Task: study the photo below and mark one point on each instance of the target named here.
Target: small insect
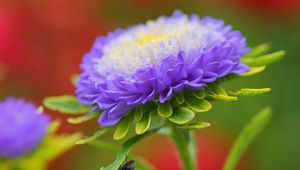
(128, 165)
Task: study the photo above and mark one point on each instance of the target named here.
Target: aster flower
(153, 61)
(22, 127)
(157, 76)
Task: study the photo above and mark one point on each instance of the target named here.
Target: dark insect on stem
(128, 165)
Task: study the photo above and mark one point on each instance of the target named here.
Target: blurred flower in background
(22, 127)
(42, 43)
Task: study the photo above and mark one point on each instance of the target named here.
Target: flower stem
(185, 144)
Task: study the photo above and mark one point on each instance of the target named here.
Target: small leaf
(127, 146)
(98, 134)
(138, 114)
(253, 71)
(264, 60)
(144, 124)
(258, 50)
(65, 104)
(198, 105)
(122, 128)
(252, 92)
(246, 137)
(164, 110)
(200, 94)
(179, 98)
(182, 115)
(195, 126)
(82, 119)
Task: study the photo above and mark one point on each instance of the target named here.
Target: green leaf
(127, 146)
(179, 98)
(82, 119)
(138, 114)
(246, 137)
(164, 109)
(65, 104)
(182, 115)
(200, 94)
(264, 59)
(253, 71)
(98, 134)
(198, 105)
(122, 128)
(195, 126)
(258, 50)
(144, 124)
(252, 92)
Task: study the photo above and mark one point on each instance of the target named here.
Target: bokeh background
(42, 43)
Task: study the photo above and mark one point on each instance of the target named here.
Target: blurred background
(42, 43)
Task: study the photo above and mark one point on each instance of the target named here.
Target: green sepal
(264, 59)
(222, 97)
(216, 89)
(65, 104)
(216, 92)
(164, 110)
(251, 92)
(122, 127)
(258, 50)
(138, 114)
(195, 126)
(200, 94)
(179, 98)
(144, 124)
(96, 135)
(196, 104)
(182, 115)
(253, 71)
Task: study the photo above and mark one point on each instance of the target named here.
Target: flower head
(22, 127)
(132, 66)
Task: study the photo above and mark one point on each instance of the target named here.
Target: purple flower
(132, 66)
(22, 127)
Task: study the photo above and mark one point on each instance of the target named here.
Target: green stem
(185, 144)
